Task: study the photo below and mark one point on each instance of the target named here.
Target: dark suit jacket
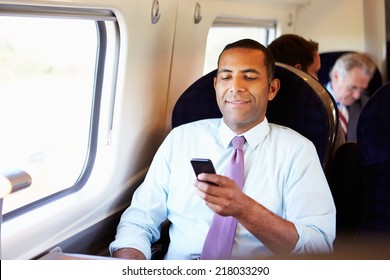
(354, 113)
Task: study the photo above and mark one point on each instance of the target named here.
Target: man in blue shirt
(285, 206)
(349, 79)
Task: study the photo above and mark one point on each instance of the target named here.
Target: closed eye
(225, 77)
(250, 74)
(250, 78)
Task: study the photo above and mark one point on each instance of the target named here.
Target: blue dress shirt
(282, 172)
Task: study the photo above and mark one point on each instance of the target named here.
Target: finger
(210, 178)
(211, 201)
(207, 188)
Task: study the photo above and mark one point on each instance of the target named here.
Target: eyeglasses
(354, 89)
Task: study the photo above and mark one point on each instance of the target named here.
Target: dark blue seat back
(301, 104)
(328, 59)
(197, 102)
(373, 139)
(346, 185)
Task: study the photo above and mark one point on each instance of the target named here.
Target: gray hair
(347, 62)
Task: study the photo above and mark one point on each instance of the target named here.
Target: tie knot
(238, 142)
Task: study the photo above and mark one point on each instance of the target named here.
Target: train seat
(302, 104)
(347, 190)
(201, 93)
(373, 139)
(327, 61)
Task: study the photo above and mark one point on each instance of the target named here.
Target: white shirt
(282, 172)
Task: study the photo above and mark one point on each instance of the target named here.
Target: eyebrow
(224, 70)
(250, 70)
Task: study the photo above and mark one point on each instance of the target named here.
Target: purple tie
(219, 240)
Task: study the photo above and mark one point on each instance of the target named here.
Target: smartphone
(202, 165)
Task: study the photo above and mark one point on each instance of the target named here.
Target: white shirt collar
(253, 137)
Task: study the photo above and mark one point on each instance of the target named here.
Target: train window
(51, 74)
(225, 30)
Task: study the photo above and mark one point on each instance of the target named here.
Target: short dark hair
(269, 61)
(293, 49)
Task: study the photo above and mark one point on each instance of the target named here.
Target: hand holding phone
(203, 165)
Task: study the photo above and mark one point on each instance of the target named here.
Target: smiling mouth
(237, 102)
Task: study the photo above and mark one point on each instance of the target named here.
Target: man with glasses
(349, 79)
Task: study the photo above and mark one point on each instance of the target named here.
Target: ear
(273, 89)
(215, 81)
(335, 75)
(298, 66)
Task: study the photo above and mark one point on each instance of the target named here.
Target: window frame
(100, 17)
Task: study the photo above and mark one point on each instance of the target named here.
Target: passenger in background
(296, 51)
(349, 79)
(281, 199)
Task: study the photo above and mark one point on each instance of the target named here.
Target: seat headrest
(297, 105)
(197, 102)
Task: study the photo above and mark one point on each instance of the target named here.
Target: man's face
(348, 89)
(242, 88)
(315, 66)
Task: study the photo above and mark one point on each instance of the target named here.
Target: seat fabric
(373, 138)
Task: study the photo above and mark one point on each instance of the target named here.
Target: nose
(236, 86)
(235, 90)
(356, 94)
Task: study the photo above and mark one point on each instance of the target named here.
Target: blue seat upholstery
(197, 102)
(346, 184)
(305, 106)
(301, 104)
(328, 59)
(373, 139)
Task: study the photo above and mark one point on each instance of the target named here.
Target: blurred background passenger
(349, 79)
(298, 52)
